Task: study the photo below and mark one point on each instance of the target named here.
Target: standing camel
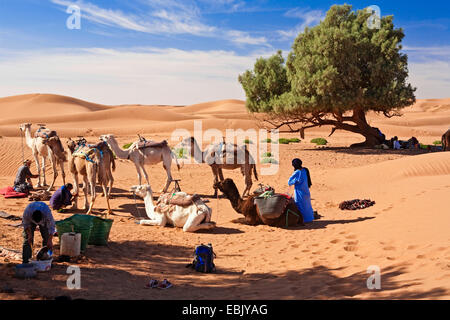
(91, 164)
(234, 157)
(446, 141)
(150, 153)
(45, 144)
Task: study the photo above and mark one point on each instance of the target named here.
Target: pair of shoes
(165, 284)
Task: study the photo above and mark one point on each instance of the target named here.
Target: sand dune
(405, 233)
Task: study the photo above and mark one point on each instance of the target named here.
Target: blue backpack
(203, 259)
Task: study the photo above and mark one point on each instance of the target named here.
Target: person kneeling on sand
(302, 181)
(62, 197)
(37, 214)
(22, 183)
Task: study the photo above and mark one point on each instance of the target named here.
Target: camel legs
(215, 171)
(38, 167)
(158, 220)
(248, 180)
(86, 192)
(55, 172)
(76, 191)
(169, 177)
(107, 200)
(43, 170)
(193, 223)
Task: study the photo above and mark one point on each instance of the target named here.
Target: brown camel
(91, 164)
(249, 209)
(224, 156)
(45, 144)
(446, 141)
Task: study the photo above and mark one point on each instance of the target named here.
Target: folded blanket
(356, 204)
(9, 192)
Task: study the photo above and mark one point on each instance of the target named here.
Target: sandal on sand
(165, 284)
(152, 284)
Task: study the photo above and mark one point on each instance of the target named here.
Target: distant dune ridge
(70, 115)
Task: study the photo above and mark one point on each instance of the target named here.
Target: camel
(46, 146)
(90, 163)
(196, 216)
(249, 209)
(234, 157)
(147, 155)
(446, 141)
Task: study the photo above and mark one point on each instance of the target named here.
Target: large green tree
(336, 72)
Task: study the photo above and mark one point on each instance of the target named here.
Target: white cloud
(145, 75)
(164, 17)
(308, 17)
(429, 70)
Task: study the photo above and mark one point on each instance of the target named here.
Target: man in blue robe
(302, 181)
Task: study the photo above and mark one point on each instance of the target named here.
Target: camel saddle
(142, 144)
(84, 152)
(44, 133)
(178, 199)
(271, 206)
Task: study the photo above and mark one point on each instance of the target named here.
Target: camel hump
(151, 144)
(45, 133)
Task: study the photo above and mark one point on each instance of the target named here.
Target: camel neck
(148, 201)
(28, 138)
(122, 154)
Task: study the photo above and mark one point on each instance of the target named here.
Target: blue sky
(185, 51)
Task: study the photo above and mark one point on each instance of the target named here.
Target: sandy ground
(406, 233)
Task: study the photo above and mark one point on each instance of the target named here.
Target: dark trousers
(27, 250)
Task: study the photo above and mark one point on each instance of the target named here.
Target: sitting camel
(249, 209)
(224, 156)
(191, 217)
(147, 153)
(446, 141)
(91, 164)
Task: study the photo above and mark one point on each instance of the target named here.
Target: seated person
(396, 144)
(62, 197)
(23, 178)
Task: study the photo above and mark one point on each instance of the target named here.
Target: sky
(180, 52)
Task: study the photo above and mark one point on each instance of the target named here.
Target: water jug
(70, 244)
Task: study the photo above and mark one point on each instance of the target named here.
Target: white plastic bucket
(42, 265)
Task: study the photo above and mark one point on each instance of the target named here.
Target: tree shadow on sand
(121, 271)
(363, 151)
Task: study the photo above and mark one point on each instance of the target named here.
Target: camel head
(107, 137)
(142, 190)
(71, 145)
(25, 126)
(228, 188)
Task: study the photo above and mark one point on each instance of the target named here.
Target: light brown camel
(224, 156)
(90, 164)
(45, 144)
(145, 155)
(446, 141)
(249, 209)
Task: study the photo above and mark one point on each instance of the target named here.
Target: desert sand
(406, 233)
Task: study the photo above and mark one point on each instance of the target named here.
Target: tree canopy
(335, 73)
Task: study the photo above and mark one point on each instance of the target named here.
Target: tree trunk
(373, 135)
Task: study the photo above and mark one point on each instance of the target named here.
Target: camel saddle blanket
(84, 152)
(150, 144)
(44, 133)
(271, 206)
(167, 201)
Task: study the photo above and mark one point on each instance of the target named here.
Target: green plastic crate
(68, 225)
(100, 231)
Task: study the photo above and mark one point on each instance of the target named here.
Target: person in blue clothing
(302, 182)
(62, 197)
